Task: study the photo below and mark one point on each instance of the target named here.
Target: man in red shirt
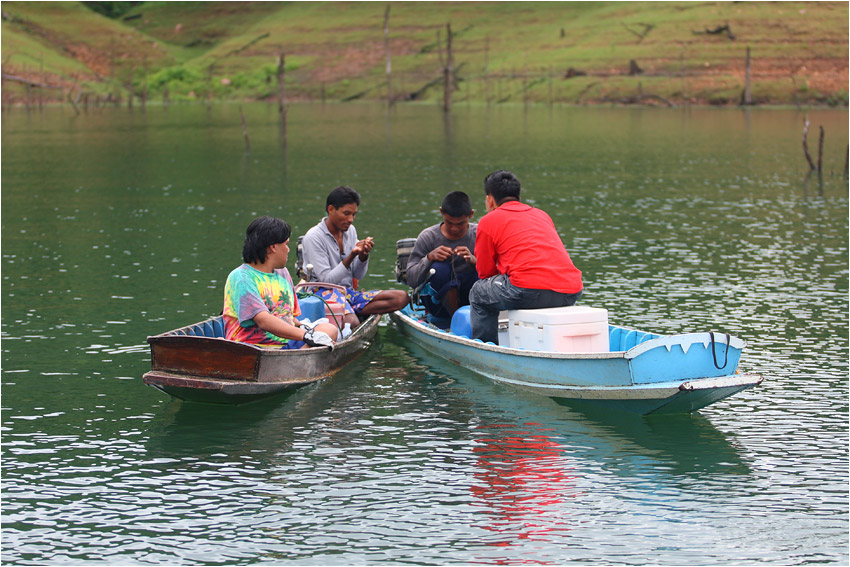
(522, 262)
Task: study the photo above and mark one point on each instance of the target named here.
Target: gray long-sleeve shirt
(321, 250)
(430, 238)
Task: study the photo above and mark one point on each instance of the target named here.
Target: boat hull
(195, 364)
(612, 379)
(232, 392)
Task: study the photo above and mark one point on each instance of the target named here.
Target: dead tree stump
(245, 131)
(447, 71)
(806, 145)
(387, 49)
(747, 98)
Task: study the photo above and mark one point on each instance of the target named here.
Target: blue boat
(641, 372)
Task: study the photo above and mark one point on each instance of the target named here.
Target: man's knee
(479, 293)
(442, 274)
(474, 292)
(331, 330)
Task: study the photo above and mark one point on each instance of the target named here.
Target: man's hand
(440, 254)
(362, 248)
(465, 253)
(316, 338)
(367, 246)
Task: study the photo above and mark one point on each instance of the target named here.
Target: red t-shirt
(518, 240)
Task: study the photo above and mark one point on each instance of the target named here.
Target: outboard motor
(404, 248)
(299, 259)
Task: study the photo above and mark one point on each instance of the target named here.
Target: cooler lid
(560, 315)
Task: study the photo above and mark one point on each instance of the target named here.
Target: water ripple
(403, 458)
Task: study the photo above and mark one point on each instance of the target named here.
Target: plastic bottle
(346, 331)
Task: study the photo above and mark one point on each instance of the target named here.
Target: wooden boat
(196, 363)
(642, 372)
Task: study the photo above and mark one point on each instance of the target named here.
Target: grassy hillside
(573, 52)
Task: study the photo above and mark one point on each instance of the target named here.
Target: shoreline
(32, 107)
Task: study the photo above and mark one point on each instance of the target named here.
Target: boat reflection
(522, 474)
(681, 444)
(260, 429)
(401, 378)
(539, 465)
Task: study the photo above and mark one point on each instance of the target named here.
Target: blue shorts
(354, 300)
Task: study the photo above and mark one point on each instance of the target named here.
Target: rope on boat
(714, 353)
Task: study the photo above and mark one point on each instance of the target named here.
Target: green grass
(523, 47)
(30, 51)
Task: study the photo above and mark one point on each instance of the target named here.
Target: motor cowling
(404, 248)
(299, 259)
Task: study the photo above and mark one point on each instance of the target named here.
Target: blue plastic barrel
(460, 322)
(312, 308)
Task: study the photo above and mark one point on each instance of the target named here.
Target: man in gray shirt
(338, 257)
(448, 248)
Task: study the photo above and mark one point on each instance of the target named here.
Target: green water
(118, 225)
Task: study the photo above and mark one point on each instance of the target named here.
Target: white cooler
(559, 329)
(504, 337)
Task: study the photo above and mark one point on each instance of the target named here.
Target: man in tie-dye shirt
(260, 306)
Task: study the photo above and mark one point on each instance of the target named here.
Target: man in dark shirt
(448, 248)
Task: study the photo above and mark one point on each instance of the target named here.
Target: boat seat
(620, 339)
(213, 329)
(628, 340)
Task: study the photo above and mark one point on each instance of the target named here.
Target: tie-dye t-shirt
(247, 293)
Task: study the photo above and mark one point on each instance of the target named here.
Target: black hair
(502, 185)
(262, 233)
(342, 195)
(457, 204)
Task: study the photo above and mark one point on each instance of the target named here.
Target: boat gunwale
(685, 340)
(360, 332)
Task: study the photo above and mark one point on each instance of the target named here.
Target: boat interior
(211, 328)
(619, 338)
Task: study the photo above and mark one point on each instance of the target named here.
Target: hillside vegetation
(565, 52)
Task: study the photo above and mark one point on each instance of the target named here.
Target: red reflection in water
(525, 478)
